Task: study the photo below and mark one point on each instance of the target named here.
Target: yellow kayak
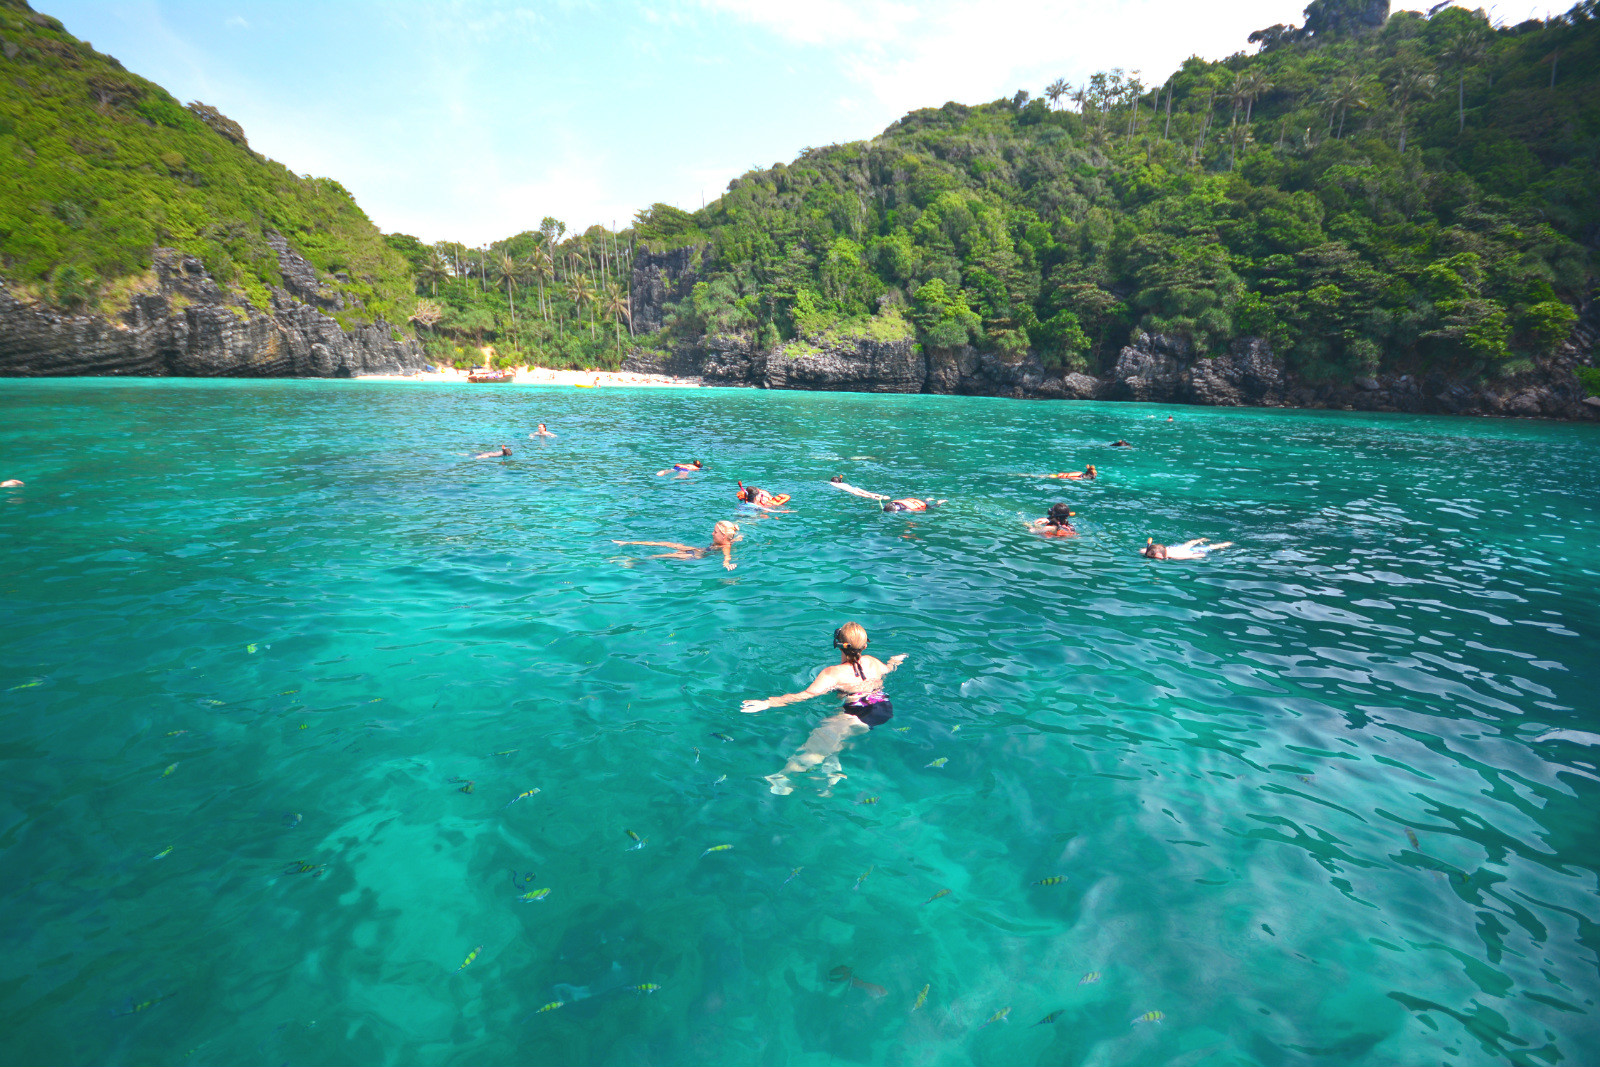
(583, 385)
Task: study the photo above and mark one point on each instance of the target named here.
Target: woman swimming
(1195, 549)
(1056, 523)
(723, 535)
(761, 498)
(683, 469)
(838, 482)
(505, 450)
(911, 503)
(859, 677)
(1088, 474)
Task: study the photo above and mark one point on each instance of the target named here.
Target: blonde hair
(724, 526)
(851, 636)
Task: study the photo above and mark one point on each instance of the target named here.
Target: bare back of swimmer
(838, 482)
(723, 535)
(1195, 549)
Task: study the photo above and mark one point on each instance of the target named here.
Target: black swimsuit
(873, 709)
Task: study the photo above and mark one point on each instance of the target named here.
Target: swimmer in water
(542, 432)
(723, 535)
(911, 503)
(760, 497)
(1088, 474)
(683, 469)
(1195, 549)
(859, 678)
(1056, 523)
(1119, 443)
(11, 483)
(838, 482)
(505, 450)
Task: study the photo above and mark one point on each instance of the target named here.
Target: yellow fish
(715, 848)
(470, 957)
(901, 729)
(645, 987)
(164, 853)
(536, 895)
(1054, 879)
(997, 1017)
(956, 728)
(250, 649)
(467, 788)
(147, 1005)
(1052, 1017)
(513, 800)
(552, 1006)
(922, 997)
(863, 878)
(940, 762)
(288, 692)
(176, 733)
(1412, 837)
(506, 752)
(936, 896)
(26, 685)
(867, 800)
(1151, 1017)
(170, 768)
(789, 879)
(1090, 979)
(638, 842)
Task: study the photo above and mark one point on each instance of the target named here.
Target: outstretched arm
(659, 544)
(823, 684)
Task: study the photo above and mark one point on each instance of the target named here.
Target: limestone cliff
(185, 325)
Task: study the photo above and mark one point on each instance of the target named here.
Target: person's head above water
(724, 532)
(1153, 550)
(1090, 471)
(505, 450)
(1059, 514)
(695, 463)
(850, 638)
(837, 478)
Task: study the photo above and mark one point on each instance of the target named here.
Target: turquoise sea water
(257, 636)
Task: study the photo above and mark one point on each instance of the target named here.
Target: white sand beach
(546, 376)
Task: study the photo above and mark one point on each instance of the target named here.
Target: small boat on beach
(496, 376)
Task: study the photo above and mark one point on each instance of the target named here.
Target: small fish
(645, 987)
(535, 896)
(1052, 1017)
(375, 700)
(1054, 879)
(940, 762)
(288, 692)
(1150, 1017)
(715, 848)
(291, 820)
(146, 1005)
(936, 896)
(466, 788)
(212, 703)
(789, 879)
(302, 867)
(997, 1017)
(697, 755)
(1090, 979)
(956, 728)
(513, 800)
(506, 752)
(719, 781)
(250, 649)
(176, 733)
(552, 1006)
(871, 988)
(867, 800)
(26, 685)
(470, 957)
(638, 842)
(722, 737)
(164, 853)
(1412, 837)
(170, 768)
(922, 997)
(901, 729)
(863, 878)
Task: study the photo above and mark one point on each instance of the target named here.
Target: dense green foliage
(1366, 192)
(99, 166)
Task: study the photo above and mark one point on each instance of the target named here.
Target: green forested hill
(1265, 195)
(99, 166)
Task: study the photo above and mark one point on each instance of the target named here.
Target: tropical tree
(1256, 85)
(1466, 49)
(508, 274)
(433, 271)
(1409, 86)
(616, 304)
(1342, 95)
(543, 267)
(582, 294)
(427, 314)
(1056, 90)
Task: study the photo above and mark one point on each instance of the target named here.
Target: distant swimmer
(11, 483)
(542, 432)
(761, 498)
(912, 503)
(1169, 418)
(1088, 474)
(838, 482)
(1195, 549)
(505, 450)
(723, 535)
(1055, 524)
(683, 469)
(1119, 443)
(859, 678)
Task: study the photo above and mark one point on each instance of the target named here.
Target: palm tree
(543, 266)
(1465, 49)
(1238, 93)
(1410, 84)
(1343, 95)
(582, 293)
(508, 274)
(1133, 89)
(1079, 96)
(615, 303)
(433, 271)
(1256, 86)
(1238, 136)
(1056, 90)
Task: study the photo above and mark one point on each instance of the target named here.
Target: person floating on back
(1195, 549)
(1055, 524)
(505, 450)
(911, 503)
(683, 469)
(859, 678)
(723, 535)
(838, 482)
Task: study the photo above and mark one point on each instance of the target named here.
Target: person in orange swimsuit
(1055, 524)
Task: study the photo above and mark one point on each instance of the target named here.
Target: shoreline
(548, 376)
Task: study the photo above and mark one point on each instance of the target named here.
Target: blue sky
(471, 120)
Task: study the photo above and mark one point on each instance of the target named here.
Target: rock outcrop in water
(1152, 368)
(187, 325)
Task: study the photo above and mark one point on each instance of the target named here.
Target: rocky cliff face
(188, 326)
(1152, 368)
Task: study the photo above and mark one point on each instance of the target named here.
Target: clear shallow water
(266, 625)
